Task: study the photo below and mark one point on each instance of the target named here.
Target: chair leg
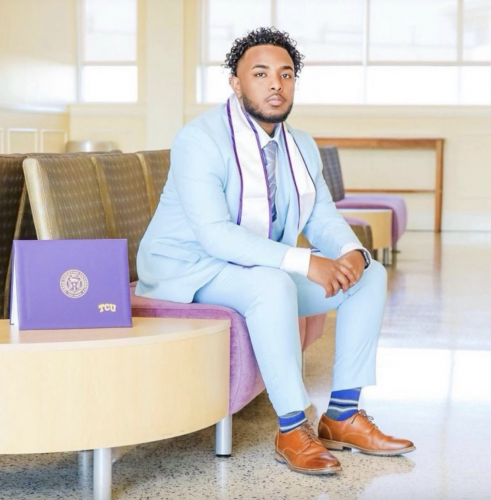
(223, 437)
(385, 259)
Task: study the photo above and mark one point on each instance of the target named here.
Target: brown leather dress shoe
(359, 432)
(301, 451)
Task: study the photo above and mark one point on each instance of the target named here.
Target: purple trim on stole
(265, 171)
(291, 169)
(305, 163)
(239, 215)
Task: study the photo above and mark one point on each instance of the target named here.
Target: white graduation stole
(254, 205)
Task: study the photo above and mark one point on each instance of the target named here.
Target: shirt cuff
(296, 260)
(355, 246)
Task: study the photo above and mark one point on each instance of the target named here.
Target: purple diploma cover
(70, 284)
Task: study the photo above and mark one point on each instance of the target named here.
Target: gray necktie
(270, 156)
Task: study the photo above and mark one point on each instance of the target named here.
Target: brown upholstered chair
(84, 196)
(11, 182)
(65, 198)
(156, 165)
(15, 213)
(125, 200)
(15, 220)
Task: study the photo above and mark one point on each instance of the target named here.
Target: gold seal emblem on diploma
(74, 283)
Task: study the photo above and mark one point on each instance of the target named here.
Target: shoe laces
(368, 418)
(308, 435)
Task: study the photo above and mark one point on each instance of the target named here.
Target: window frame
(82, 63)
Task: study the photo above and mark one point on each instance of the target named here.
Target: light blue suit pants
(271, 301)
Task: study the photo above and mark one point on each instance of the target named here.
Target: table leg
(439, 186)
(85, 468)
(102, 473)
(223, 437)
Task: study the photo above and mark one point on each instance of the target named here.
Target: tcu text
(107, 307)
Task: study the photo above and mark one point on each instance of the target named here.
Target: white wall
(27, 132)
(37, 73)
(164, 71)
(37, 53)
(123, 124)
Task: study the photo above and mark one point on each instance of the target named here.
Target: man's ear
(235, 84)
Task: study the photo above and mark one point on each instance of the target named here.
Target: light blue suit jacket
(194, 234)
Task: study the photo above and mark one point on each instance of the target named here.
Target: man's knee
(275, 283)
(376, 275)
(378, 270)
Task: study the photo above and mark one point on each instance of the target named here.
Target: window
(431, 52)
(108, 69)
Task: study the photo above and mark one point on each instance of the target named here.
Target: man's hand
(355, 262)
(333, 275)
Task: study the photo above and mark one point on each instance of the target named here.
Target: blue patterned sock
(291, 420)
(343, 404)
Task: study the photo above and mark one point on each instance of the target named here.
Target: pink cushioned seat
(380, 201)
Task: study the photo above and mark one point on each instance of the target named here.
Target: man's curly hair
(263, 36)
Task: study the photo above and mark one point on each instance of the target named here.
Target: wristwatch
(366, 256)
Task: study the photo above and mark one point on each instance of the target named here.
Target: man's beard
(259, 116)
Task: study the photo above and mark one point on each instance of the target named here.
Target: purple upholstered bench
(245, 380)
(387, 201)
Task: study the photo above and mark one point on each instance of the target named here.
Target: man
(241, 187)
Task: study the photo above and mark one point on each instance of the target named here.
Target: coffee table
(71, 390)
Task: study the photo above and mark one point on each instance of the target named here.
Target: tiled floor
(434, 378)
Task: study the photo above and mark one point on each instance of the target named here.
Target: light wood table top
(144, 331)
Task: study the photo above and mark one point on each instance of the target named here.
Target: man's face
(265, 84)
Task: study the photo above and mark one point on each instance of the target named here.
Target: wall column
(164, 61)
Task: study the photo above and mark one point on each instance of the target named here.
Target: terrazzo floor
(434, 373)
